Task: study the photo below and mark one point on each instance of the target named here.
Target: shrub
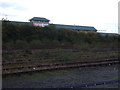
(21, 43)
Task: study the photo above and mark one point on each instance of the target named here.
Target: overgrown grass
(43, 57)
(118, 78)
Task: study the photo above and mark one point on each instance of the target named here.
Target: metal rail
(48, 67)
(56, 50)
(58, 64)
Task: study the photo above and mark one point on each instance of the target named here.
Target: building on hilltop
(42, 22)
(39, 21)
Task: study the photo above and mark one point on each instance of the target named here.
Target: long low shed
(75, 27)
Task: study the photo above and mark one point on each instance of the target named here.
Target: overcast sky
(102, 14)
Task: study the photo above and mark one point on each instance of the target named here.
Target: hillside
(27, 48)
(28, 36)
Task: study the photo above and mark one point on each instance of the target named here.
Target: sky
(101, 14)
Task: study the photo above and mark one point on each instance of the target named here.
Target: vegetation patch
(17, 36)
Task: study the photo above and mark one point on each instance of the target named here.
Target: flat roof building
(76, 27)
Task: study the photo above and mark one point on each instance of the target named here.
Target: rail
(56, 66)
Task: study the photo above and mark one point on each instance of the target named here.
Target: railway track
(26, 60)
(56, 66)
(56, 50)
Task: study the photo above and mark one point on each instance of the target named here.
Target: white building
(39, 21)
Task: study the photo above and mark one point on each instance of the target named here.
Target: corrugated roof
(18, 22)
(75, 27)
(39, 19)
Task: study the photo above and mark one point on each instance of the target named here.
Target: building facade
(39, 21)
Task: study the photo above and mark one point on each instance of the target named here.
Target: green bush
(21, 43)
(35, 43)
(28, 35)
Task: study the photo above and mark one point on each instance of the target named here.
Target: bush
(28, 35)
(35, 43)
(21, 44)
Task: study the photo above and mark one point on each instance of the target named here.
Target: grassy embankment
(28, 36)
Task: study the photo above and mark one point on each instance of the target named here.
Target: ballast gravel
(79, 76)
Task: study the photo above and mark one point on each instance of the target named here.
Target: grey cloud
(19, 8)
(6, 5)
(10, 15)
(11, 5)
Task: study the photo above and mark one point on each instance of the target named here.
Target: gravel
(79, 76)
